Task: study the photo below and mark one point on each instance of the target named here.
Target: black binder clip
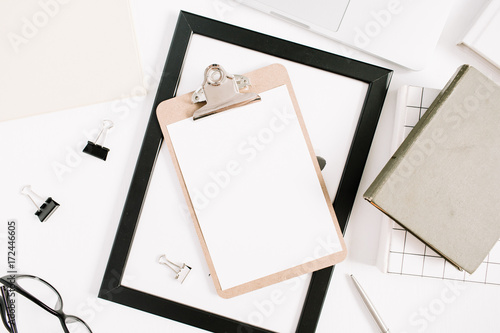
(96, 150)
(46, 209)
(321, 162)
(181, 271)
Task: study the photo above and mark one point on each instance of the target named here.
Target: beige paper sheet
(58, 54)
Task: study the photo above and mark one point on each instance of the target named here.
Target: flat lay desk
(71, 250)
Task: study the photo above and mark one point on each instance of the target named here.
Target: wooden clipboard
(182, 107)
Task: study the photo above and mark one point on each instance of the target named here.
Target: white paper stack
(482, 37)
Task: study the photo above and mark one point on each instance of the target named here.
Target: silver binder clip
(181, 271)
(96, 150)
(221, 91)
(46, 209)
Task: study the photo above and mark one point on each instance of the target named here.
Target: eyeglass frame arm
(58, 313)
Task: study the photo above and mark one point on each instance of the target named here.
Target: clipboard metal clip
(221, 91)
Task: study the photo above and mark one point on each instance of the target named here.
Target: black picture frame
(188, 24)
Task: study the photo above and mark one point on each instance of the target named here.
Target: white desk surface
(77, 243)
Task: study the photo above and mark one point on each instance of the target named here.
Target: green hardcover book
(442, 183)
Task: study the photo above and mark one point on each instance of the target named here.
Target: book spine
(400, 153)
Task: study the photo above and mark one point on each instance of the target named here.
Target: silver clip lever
(221, 92)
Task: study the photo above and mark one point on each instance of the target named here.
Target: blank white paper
(254, 189)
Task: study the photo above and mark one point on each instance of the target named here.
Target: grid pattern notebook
(406, 254)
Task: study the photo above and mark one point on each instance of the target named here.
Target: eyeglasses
(41, 306)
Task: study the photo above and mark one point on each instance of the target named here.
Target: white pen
(383, 327)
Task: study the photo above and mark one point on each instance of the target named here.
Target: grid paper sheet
(408, 255)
